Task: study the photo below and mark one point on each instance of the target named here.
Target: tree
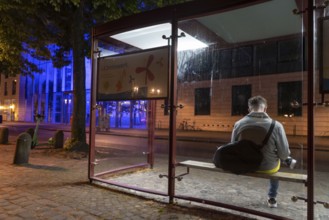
(12, 46)
(51, 30)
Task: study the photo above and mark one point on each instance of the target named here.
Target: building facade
(48, 93)
(211, 102)
(214, 84)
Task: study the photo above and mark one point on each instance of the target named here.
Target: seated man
(254, 126)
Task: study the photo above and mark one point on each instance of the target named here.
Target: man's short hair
(254, 103)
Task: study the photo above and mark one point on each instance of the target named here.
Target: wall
(220, 118)
(9, 102)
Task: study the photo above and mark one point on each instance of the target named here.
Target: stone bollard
(23, 148)
(30, 131)
(4, 133)
(58, 139)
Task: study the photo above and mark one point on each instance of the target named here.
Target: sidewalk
(209, 136)
(215, 136)
(53, 186)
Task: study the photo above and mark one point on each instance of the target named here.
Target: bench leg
(178, 177)
(296, 198)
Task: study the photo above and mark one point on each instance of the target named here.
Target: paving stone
(26, 214)
(15, 218)
(63, 208)
(89, 217)
(3, 215)
(52, 187)
(10, 207)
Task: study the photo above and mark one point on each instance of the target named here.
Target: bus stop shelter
(187, 71)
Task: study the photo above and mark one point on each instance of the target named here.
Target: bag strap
(269, 133)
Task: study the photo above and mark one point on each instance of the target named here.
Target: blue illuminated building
(49, 93)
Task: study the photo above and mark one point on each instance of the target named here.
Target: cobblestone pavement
(53, 185)
(242, 191)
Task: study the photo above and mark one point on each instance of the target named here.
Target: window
(225, 63)
(36, 84)
(289, 98)
(290, 57)
(240, 96)
(261, 58)
(202, 101)
(13, 89)
(242, 61)
(59, 80)
(68, 77)
(266, 58)
(58, 108)
(44, 86)
(6, 89)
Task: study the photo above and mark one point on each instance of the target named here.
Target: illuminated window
(289, 98)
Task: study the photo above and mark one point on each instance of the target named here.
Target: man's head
(257, 104)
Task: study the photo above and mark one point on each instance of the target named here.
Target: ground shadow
(44, 167)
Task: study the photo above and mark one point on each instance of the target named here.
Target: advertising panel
(142, 75)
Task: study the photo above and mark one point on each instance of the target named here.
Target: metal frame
(310, 111)
(184, 11)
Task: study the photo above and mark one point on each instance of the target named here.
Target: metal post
(93, 108)
(172, 107)
(310, 112)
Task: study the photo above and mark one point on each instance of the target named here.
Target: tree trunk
(78, 127)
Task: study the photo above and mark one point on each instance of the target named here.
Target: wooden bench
(284, 176)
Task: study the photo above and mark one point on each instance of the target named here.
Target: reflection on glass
(143, 38)
(254, 50)
(289, 97)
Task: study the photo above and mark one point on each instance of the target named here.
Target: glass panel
(250, 51)
(131, 145)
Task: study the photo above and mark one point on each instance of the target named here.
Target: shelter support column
(310, 111)
(172, 108)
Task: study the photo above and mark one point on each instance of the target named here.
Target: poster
(142, 75)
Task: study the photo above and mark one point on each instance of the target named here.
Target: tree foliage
(56, 30)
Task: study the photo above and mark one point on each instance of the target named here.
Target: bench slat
(284, 176)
